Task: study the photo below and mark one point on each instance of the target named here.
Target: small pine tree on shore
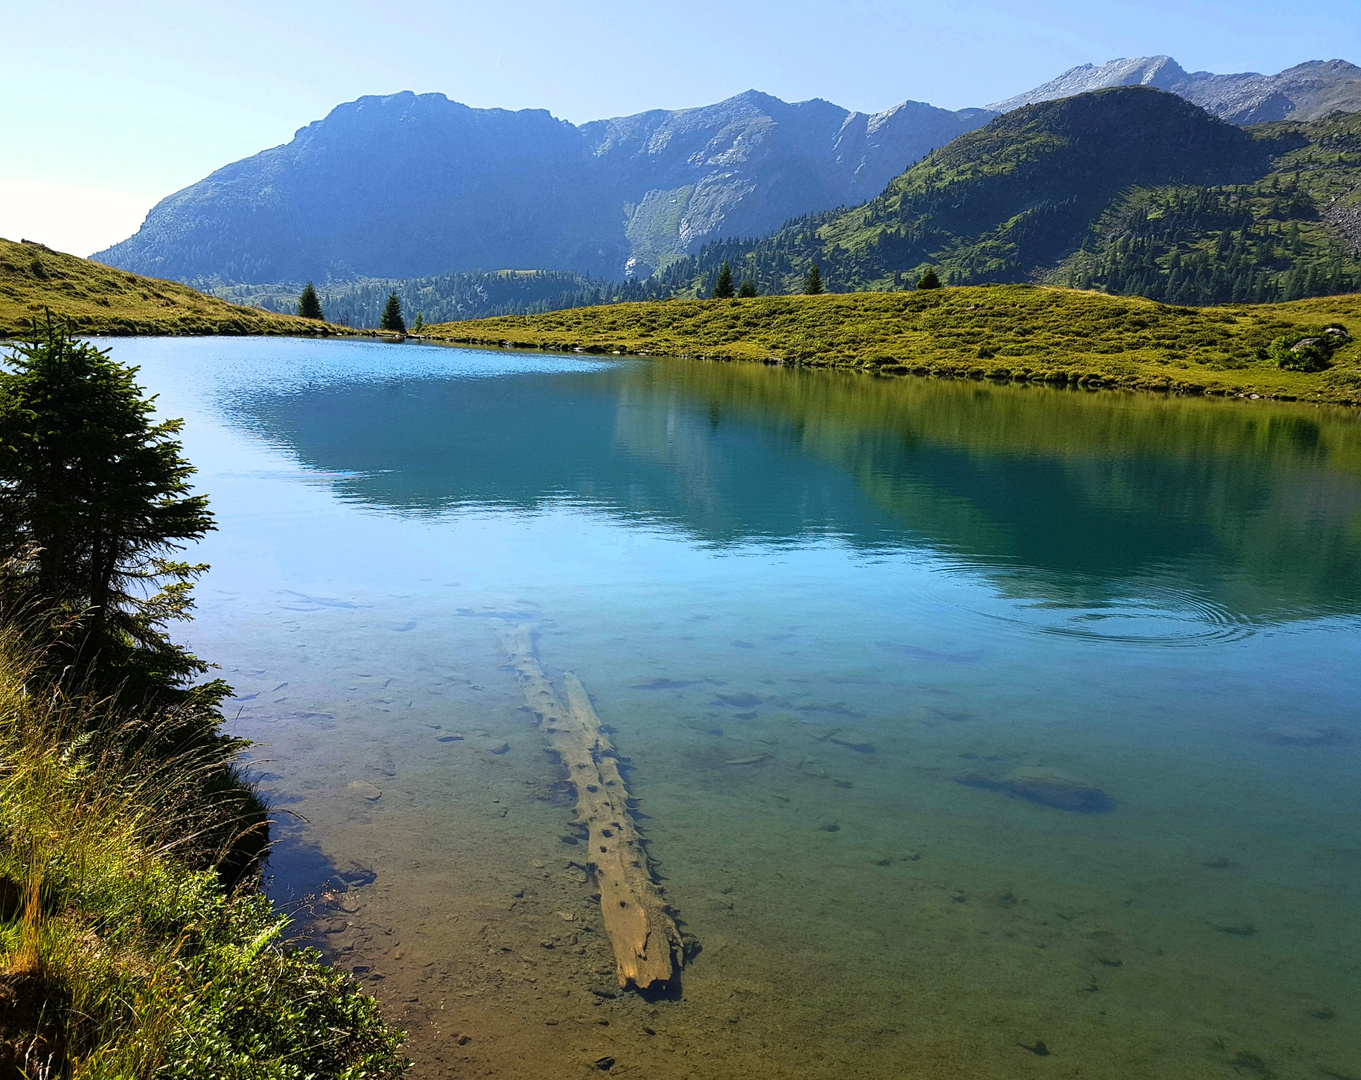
(309, 307)
(812, 284)
(747, 289)
(392, 316)
(419, 324)
(723, 289)
(94, 502)
(929, 280)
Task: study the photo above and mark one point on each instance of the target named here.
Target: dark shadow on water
(307, 885)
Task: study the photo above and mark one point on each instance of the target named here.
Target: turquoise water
(978, 731)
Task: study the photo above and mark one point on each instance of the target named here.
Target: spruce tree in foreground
(812, 284)
(929, 280)
(747, 289)
(94, 499)
(723, 286)
(309, 307)
(392, 316)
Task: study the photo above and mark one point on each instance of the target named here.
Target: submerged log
(647, 946)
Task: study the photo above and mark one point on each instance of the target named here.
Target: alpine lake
(977, 731)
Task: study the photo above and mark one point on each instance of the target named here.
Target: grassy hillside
(1128, 190)
(97, 299)
(1000, 331)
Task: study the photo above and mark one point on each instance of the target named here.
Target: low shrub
(1308, 348)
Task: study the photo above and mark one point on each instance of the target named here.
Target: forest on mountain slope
(1129, 191)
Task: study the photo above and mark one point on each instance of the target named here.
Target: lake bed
(977, 730)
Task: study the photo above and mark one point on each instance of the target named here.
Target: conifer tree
(94, 499)
(929, 280)
(812, 284)
(392, 316)
(309, 307)
(723, 289)
(747, 289)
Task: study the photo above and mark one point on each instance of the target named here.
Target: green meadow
(1013, 332)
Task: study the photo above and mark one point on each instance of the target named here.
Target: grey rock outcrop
(1304, 92)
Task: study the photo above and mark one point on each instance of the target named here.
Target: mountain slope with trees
(443, 297)
(1129, 190)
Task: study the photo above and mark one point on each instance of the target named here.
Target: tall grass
(122, 952)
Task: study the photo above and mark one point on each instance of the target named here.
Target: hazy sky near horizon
(110, 107)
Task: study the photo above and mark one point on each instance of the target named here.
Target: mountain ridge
(1307, 91)
(405, 186)
(408, 184)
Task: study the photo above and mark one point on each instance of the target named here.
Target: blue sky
(109, 107)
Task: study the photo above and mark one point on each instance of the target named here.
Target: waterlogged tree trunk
(647, 946)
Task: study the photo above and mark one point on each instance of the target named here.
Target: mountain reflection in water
(1251, 510)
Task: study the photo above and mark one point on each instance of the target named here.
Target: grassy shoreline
(1006, 332)
(122, 955)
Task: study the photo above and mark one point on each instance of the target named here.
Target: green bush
(1306, 349)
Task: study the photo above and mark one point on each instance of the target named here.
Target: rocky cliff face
(407, 185)
(1305, 92)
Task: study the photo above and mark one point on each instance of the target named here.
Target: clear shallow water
(827, 616)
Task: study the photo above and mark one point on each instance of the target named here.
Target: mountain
(1305, 92)
(1130, 189)
(407, 185)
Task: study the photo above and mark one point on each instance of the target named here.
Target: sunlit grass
(98, 299)
(117, 958)
(1018, 332)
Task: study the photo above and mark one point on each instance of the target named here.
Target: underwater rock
(667, 684)
(739, 700)
(368, 791)
(1046, 787)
